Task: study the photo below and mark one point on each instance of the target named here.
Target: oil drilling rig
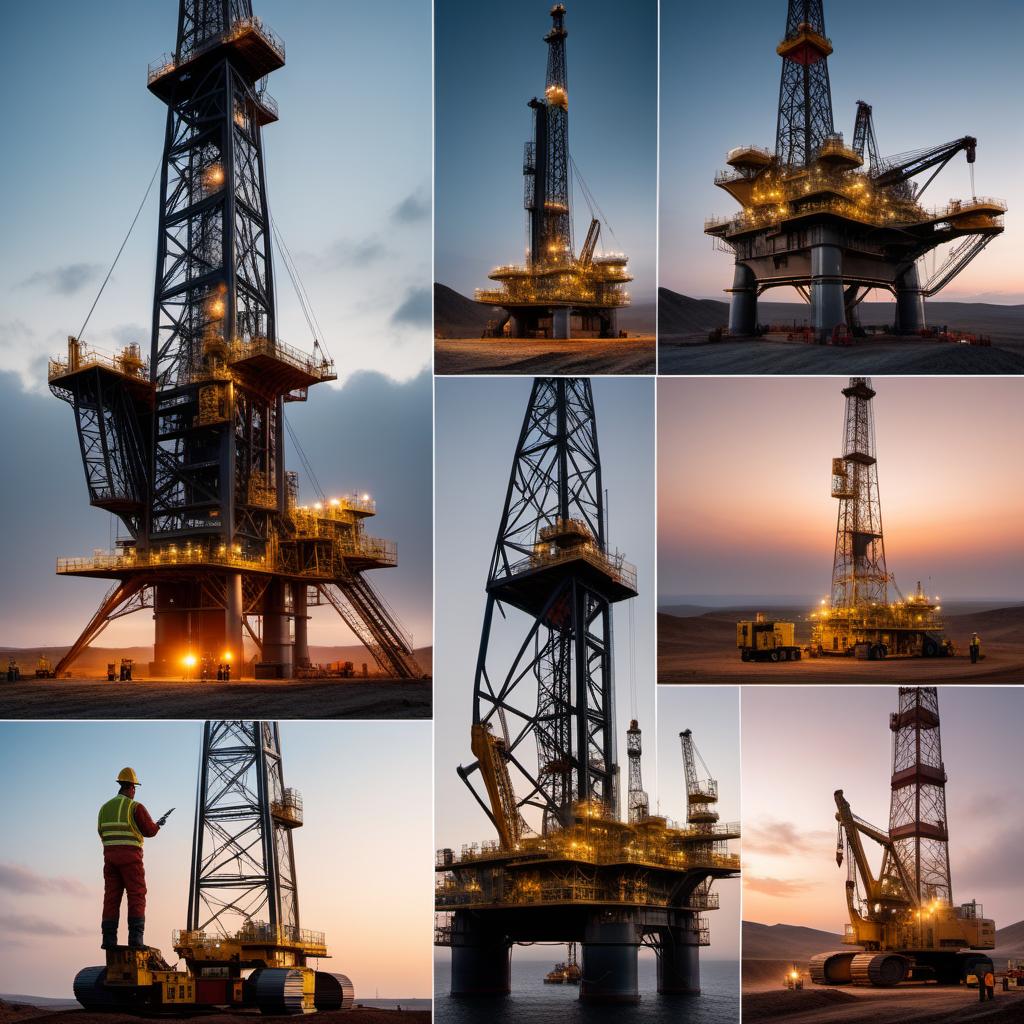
(904, 918)
(556, 294)
(835, 221)
(243, 946)
(860, 618)
(564, 867)
(187, 448)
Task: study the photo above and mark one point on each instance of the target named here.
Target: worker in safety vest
(975, 648)
(123, 824)
(990, 985)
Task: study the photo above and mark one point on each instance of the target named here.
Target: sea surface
(533, 1002)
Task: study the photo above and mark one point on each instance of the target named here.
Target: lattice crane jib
(547, 164)
(243, 863)
(638, 804)
(859, 575)
(805, 96)
(918, 825)
(864, 142)
(551, 564)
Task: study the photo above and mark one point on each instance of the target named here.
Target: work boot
(109, 929)
(136, 926)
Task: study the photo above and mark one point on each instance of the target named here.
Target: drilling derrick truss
(187, 449)
(564, 866)
(556, 293)
(834, 221)
(243, 903)
(860, 618)
(904, 918)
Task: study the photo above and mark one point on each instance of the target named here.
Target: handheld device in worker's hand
(163, 821)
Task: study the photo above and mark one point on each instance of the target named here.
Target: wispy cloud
(29, 924)
(15, 333)
(20, 879)
(413, 208)
(416, 308)
(781, 838)
(346, 253)
(779, 887)
(65, 280)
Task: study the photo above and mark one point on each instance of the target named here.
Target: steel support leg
(909, 302)
(827, 303)
(481, 960)
(610, 962)
(233, 623)
(276, 648)
(679, 961)
(743, 306)
(561, 323)
(300, 652)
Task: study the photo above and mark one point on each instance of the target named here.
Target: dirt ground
(764, 999)
(702, 649)
(265, 698)
(583, 356)
(694, 354)
(11, 1013)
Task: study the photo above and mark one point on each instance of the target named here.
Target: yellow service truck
(764, 639)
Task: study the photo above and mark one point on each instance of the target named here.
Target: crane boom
(590, 242)
(487, 749)
(905, 166)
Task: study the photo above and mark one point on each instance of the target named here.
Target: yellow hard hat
(128, 775)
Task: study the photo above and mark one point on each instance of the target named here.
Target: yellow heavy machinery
(243, 867)
(764, 639)
(903, 919)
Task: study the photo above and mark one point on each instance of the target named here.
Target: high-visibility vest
(116, 823)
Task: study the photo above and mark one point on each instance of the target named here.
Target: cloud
(778, 887)
(20, 879)
(29, 924)
(348, 252)
(64, 280)
(781, 838)
(127, 334)
(15, 333)
(417, 308)
(413, 208)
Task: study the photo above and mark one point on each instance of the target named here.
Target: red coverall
(123, 870)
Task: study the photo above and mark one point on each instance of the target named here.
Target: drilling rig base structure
(904, 919)
(231, 959)
(583, 875)
(836, 221)
(555, 294)
(187, 448)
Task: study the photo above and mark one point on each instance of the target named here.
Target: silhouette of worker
(123, 824)
(975, 648)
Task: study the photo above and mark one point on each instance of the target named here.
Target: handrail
(168, 62)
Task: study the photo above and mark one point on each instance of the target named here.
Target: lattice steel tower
(639, 803)
(188, 451)
(918, 825)
(555, 286)
(859, 575)
(805, 96)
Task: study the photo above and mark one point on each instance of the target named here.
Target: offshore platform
(833, 220)
(564, 866)
(860, 616)
(243, 946)
(556, 294)
(186, 447)
(904, 918)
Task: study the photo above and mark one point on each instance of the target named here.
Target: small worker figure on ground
(220, 673)
(975, 648)
(227, 671)
(990, 984)
(123, 824)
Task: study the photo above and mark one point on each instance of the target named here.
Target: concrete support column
(909, 302)
(518, 329)
(611, 324)
(276, 648)
(743, 306)
(827, 305)
(560, 323)
(610, 962)
(300, 652)
(170, 621)
(233, 611)
(679, 961)
(481, 960)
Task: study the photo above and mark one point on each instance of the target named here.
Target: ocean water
(533, 1002)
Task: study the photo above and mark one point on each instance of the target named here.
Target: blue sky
(363, 857)
(349, 187)
(478, 423)
(932, 69)
(491, 61)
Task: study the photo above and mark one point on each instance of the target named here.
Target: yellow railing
(167, 62)
(246, 349)
(614, 566)
(128, 364)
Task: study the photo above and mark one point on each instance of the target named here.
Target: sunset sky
(800, 744)
(478, 424)
(363, 857)
(490, 61)
(744, 486)
(931, 73)
(349, 188)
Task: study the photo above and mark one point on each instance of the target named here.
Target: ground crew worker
(990, 984)
(975, 648)
(122, 824)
